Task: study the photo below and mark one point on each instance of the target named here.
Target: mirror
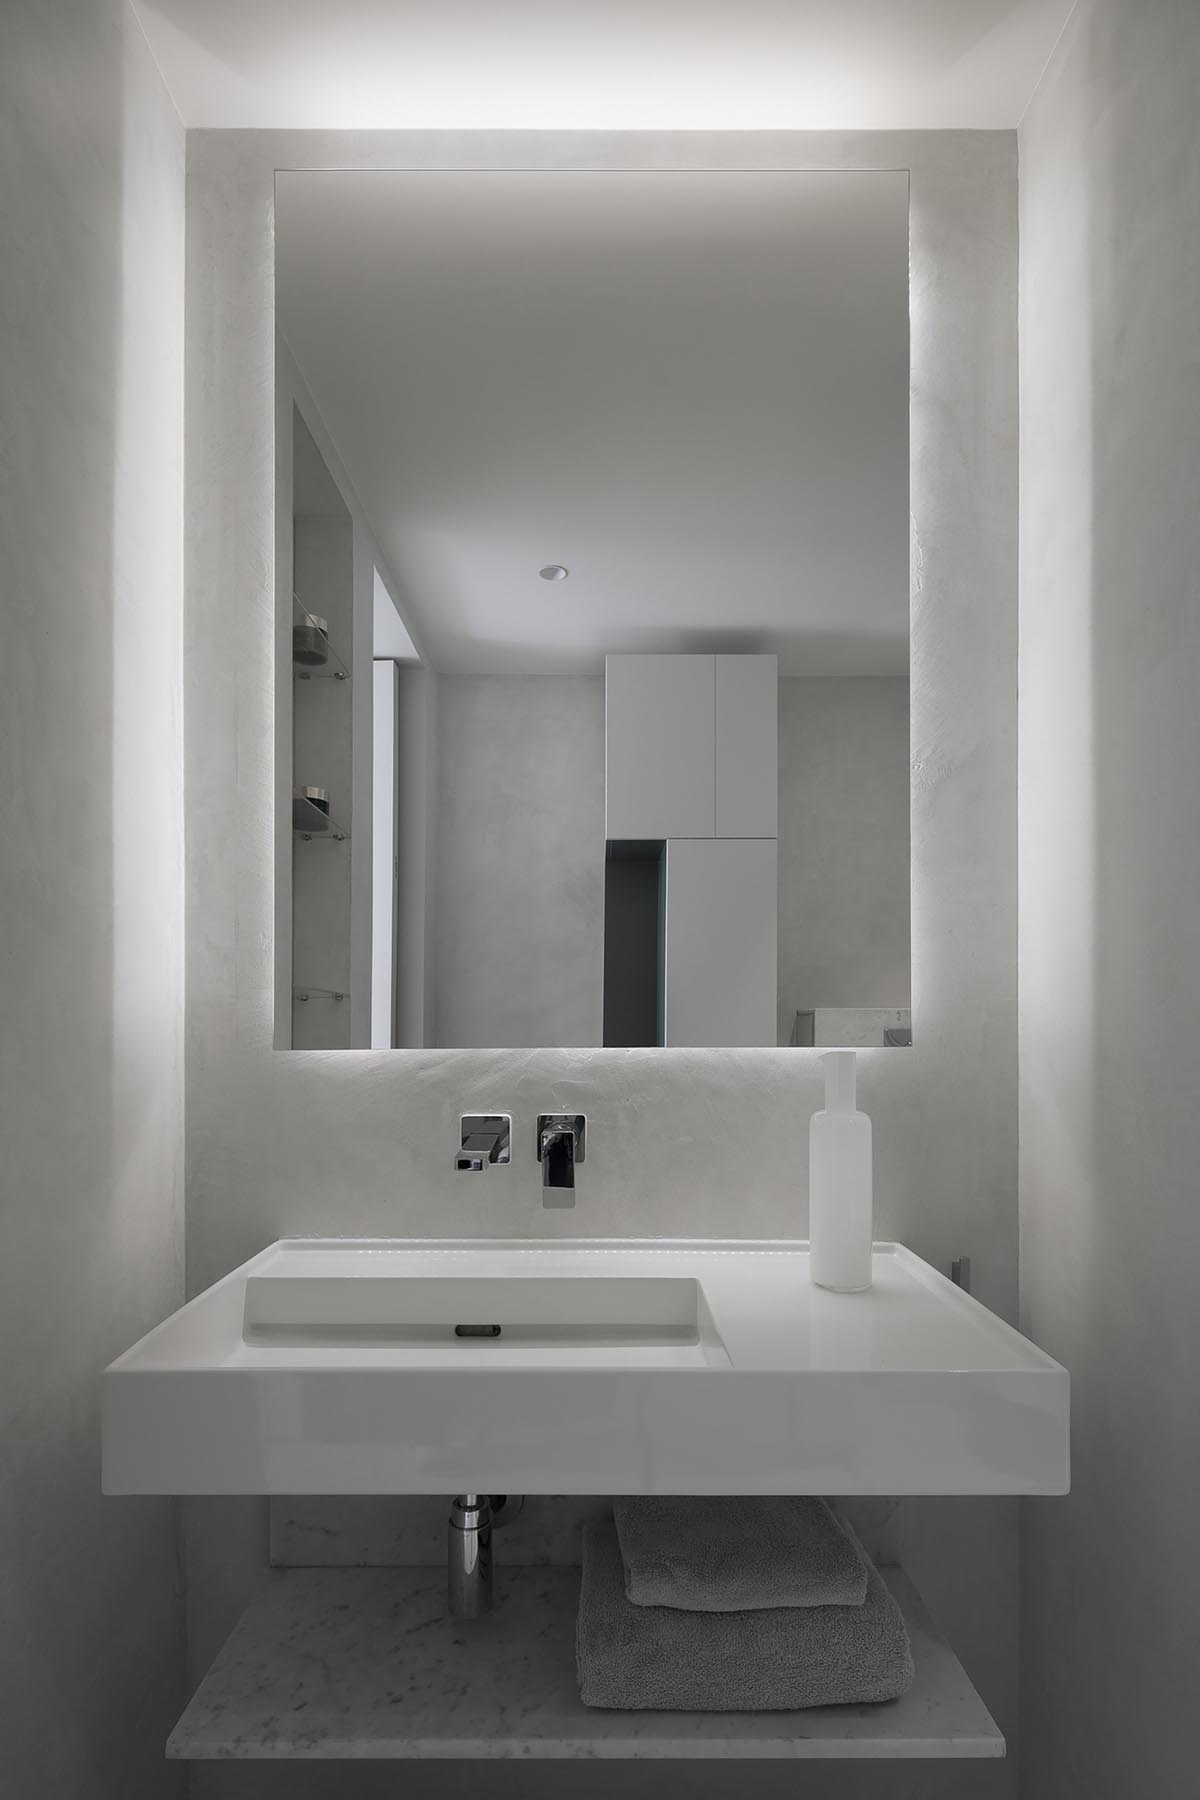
(593, 606)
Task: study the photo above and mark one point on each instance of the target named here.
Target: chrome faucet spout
(558, 1159)
(560, 1145)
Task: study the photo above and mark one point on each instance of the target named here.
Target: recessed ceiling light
(554, 572)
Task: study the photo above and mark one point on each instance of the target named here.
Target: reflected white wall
(843, 845)
(519, 832)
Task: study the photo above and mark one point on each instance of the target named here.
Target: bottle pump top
(840, 1080)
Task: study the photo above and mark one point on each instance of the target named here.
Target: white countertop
(766, 1312)
(332, 1366)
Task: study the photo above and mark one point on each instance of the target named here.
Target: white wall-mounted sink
(328, 1366)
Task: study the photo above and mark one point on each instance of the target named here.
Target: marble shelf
(342, 1664)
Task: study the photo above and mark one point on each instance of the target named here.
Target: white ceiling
(690, 388)
(603, 64)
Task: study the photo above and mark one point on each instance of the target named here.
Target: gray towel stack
(730, 1555)
(678, 1624)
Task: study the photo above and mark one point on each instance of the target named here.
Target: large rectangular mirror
(593, 601)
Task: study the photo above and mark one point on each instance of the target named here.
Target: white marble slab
(364, 1663)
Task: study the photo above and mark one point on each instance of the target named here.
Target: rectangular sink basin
(339, 1366)
(470, 1313)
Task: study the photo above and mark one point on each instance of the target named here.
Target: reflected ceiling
(689, 388)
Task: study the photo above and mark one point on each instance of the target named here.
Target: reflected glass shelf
(305, 993)
(313, 656)
(311, 824)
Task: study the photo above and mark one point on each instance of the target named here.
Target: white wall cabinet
(691, 746)
(660, 746)
(721, 978)
(746, 766)
(692, 760)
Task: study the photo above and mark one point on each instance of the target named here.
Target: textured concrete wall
(679, 1142)
(843, 845)
(91, 882)
(519, 829)
(1110, 872)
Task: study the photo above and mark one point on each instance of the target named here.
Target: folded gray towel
(730, 1555)
(659, 1658)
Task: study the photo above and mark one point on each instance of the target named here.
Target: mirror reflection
(593, 608)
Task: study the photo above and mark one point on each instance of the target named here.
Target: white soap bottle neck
(841, 1081)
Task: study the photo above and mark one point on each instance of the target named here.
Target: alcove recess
(347, 1653)
(322, 749)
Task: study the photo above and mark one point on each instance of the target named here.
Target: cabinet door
(660, 746)
(747, 760)
(721, 954)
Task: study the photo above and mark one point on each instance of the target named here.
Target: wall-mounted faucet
(485, 1138)
(561, 1143)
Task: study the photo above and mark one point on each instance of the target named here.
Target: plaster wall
(91, 882)
(1110, 870)
(699, 1143)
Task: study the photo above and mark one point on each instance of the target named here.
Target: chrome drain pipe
(469, 1556)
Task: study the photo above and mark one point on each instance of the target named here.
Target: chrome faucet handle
(484, 1138)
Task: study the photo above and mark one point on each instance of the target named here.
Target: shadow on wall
(90, 880)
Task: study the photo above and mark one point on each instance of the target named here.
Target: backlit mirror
(593, 608)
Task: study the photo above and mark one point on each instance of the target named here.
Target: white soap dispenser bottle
(840, 1207)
